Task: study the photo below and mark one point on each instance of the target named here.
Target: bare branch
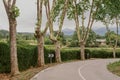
(83, 27)
(6, 7)
(9, 4)
(49, 17)
(77, 22)
(46, 28)
(38, 10)
(62, 17)
(13, 3)
(91, 23)
(117, 25)
(39, 13)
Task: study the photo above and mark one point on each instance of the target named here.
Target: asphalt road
(81, 70)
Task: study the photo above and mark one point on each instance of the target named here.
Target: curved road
(81, 70)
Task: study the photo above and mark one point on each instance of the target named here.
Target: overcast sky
(27, 18)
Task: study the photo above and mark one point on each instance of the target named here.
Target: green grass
(114, 68)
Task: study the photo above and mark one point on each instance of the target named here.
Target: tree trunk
(116, 41)
(41, 51)
(114, 52)
(82, 46)
(13, 48)
(114, 48)
(57, 51)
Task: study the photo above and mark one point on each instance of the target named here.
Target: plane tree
(12, 13)
(56, 13)
(109, 13)
(83, 13)
(40, 33)
(114, 13)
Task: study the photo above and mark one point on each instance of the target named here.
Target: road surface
(81, 70)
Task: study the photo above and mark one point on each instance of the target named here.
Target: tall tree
(39, 34)
(77, 11)
(111, 8)
(12, 13)
(58, 9)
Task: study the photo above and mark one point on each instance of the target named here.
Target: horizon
(67, 31)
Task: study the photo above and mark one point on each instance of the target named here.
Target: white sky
(27, 18)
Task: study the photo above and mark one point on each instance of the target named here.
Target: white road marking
(80, 74)
(35, 77)
(79, 71)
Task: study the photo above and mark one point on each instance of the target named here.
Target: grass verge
(114, 68)
(25, 75)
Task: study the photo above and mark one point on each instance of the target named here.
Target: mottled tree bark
(39, 34)
(116, 41)
(84, 34)
(9, 4)
(41, 51)
(57, 51)
(49, 12)
(114, 52)
(13, 47)
(82, 49)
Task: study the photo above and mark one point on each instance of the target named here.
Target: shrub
(103, 53)
(27, 55)
(67, 54)
(100, 54)
(4, 58)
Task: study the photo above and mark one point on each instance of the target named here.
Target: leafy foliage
(15, 12)
(48, 41)
(111, 38)
(57, 9)
(108, 8)
(80, 6)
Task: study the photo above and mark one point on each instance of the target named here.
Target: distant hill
(102, 30)
(99, 31)
(67, 31)
(4, 33)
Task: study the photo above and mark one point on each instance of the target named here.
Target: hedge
(27, 55)
(103, 53)
(4, 58)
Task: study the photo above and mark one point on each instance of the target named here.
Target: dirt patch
(4, 76)
(25, 75)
